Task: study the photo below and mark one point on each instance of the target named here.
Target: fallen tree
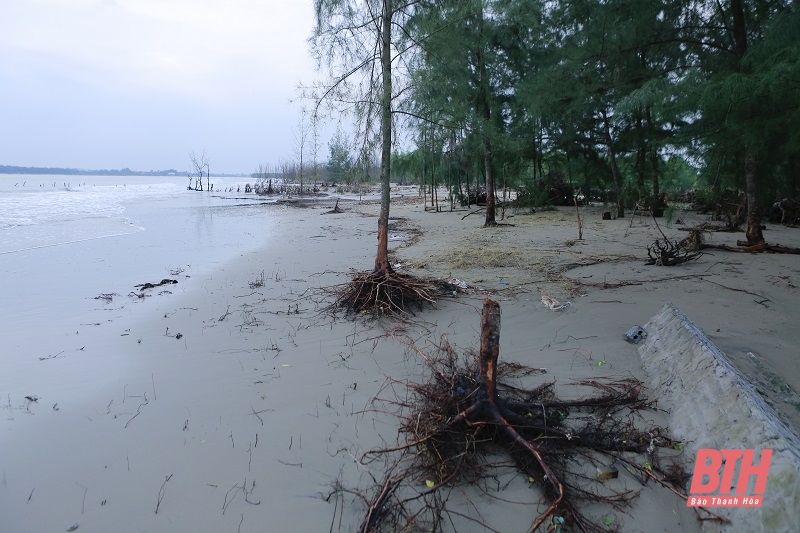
(458, 423)
(743, 246)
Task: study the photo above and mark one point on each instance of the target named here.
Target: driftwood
(144, 286)
(669, 253)
(336, 209)
(456, 424)
(695, 242)
(745, 247)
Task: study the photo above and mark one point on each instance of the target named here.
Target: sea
(66, 239)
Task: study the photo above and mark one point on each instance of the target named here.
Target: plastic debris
(635, 334)
(607, 472)
(458, 283)
(553, 304)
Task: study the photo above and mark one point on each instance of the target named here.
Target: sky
(110, 84)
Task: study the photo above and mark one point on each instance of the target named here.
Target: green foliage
(551, 189)
(678, 175)
(340, 165)
(669, 215)
(637, 97)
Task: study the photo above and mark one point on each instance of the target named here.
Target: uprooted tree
(460, 423)
(354, 38)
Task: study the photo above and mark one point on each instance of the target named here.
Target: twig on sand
(161, 492)
(138, 410)
(51, 356)
(257, 413)
(481, 210)
(649, 474)
(765, 299)
(245, 491)
(83, 502)
(578, 213)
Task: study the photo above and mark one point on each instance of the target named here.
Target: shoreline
(262, 399)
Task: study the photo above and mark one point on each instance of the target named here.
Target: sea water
(39, 211)
(64, 240)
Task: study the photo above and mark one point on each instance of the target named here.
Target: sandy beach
(228, 402)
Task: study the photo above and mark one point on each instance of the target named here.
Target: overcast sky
(140, 83)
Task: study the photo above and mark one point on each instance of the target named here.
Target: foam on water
(35, 216)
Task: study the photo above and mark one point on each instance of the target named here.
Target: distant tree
(302, 135)
(340, 164)
(201, 167)
(314, 131)
(456, 79)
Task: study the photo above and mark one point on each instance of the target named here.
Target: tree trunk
(485, 115)
(487, 409)
(382, 258)
(739, 30)
(424, 162)
(659, 205)
(641, 156)
(753, 234)
(612, 155)
(489, 163)
(540, 150)
(490, 347)
(469, 198)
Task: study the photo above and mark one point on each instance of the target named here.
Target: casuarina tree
(354, 39)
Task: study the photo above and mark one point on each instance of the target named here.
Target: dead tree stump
(487, 411)
(468, 411)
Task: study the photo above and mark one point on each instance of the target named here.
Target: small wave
(12, 222)
(134, 229)
(75, 203)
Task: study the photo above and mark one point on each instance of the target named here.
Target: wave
(33, 207)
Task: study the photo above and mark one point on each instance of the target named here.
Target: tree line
(622, 99)
(11, 169)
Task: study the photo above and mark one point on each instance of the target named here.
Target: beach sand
(230, 403)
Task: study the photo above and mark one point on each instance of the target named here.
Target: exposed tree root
(669, 253)
(385, 293)
(463, 417)
(695, 242)
(743, 246)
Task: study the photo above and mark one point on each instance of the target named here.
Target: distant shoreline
(9, 169)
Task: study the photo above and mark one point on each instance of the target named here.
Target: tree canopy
(623, 99)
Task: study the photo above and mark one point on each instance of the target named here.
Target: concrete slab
(711, 405)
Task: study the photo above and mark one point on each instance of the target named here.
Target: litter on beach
(458, 283)
(554, 304)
